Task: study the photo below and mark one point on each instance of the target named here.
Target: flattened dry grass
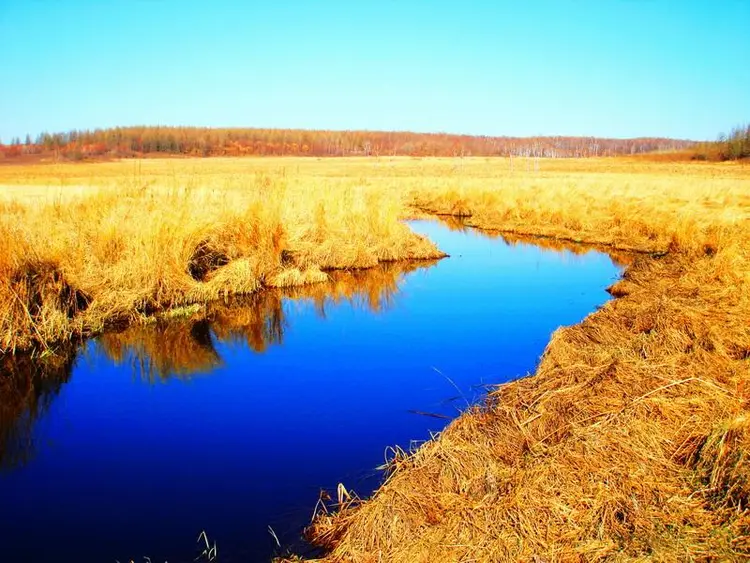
(631, 440)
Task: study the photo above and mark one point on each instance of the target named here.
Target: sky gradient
(621, 68)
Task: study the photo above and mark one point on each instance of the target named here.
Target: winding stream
(234, 422)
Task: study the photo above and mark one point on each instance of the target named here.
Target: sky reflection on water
(233, 421)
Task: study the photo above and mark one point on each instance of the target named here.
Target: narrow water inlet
(234, 422)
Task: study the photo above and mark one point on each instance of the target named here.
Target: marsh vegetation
(631, 439)
(232, 417)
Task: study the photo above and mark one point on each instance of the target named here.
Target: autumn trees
(194, 141)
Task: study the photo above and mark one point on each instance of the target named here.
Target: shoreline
(631, 440)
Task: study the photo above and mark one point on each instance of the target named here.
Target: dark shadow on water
(28, 386)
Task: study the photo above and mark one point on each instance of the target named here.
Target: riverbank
(82, 255)
(631, 440)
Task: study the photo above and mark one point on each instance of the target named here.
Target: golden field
(84, 252)
(631, 441)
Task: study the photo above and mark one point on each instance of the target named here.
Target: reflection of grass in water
(374, 290)
(185, 346)
(454, 223)
(258, 320)
(27, 388)
(460, 224)
(164, 349)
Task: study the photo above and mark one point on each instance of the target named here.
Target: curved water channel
(235, 422)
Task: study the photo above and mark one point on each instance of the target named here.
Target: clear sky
(619, 68)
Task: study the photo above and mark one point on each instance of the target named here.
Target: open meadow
(630, 442)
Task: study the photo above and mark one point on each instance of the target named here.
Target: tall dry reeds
(74, 265)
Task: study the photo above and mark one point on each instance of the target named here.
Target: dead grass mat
(630, 443)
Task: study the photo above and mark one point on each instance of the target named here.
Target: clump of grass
(37, 301)
(77, 265)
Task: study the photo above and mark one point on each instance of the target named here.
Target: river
(234, 422)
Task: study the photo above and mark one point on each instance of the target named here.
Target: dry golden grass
(629, 443)
(183, 346)
(631, 440)
(76, 261)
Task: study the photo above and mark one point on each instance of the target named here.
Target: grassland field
(629, 443)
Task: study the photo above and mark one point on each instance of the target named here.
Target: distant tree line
(194, 141)
(734, 146)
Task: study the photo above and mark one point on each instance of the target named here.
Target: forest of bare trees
(194, 141)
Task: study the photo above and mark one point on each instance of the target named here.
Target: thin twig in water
(274, 536)
(210, 551)
(454, 385)
(431, 414)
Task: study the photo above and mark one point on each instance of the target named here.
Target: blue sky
(619, 68)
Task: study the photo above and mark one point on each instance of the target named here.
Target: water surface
(234, 422)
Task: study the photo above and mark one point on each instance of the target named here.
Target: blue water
(235, 424)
